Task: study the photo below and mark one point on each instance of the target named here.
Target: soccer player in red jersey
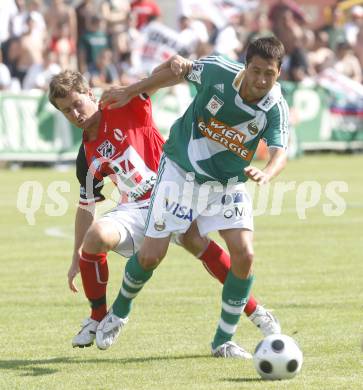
(124, 145)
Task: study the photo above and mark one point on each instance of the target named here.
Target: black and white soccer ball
(277, 357)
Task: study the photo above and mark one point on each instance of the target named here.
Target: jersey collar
(236, 84)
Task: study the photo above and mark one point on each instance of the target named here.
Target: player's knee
(247, 257)
(241, 263)
(193, 243)
(150, 258)
(243, 256)
(97, 239)
(192, 240)
(149, 261)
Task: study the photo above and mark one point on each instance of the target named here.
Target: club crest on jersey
(159, 226)
(196, 73)
(106, 149)
(119, 136)
(252, 128)
(214, 105)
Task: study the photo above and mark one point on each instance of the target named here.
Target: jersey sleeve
(136, 113)
(277, 131)
(207, 71)
(89, 192)
(143, 109)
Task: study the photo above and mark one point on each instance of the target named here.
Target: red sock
(250, 305)
(94, 272)
(217, 262)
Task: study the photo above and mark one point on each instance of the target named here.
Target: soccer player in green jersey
(202, 173)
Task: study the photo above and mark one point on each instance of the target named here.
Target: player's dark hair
(268, 48)
(65, 82)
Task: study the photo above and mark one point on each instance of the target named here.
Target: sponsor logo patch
(233, 205)
(145, 187)
(229, 137)
(179, 210)
(214, 105)
(106, 149)
(196, 73)
(119, 136)
(267, 102)
(235, 197)
(237, 211)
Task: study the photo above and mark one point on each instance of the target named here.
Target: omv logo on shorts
(234, 198)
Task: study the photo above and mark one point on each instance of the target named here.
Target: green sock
(133, 281)
(234, 298)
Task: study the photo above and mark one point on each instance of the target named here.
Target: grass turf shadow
(33, 367)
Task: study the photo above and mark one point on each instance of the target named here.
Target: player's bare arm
(83, 221)
(179, 65)
(167, 74)
(274, 166)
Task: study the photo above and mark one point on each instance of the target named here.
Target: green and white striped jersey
(218, 134)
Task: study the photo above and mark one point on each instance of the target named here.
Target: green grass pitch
(310, 271)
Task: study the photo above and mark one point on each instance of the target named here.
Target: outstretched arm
(83, 221)
(178, 65)
(274, 166)
(167, 74)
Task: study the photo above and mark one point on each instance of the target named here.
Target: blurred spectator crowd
(119, 41)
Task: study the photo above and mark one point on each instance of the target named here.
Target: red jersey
(127, 149)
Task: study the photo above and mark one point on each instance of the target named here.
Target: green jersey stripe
(283, 122)
(286, 127)
(221, 66)
(225, 62)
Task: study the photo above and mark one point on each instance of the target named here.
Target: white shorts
(130, 223)
(177, 200)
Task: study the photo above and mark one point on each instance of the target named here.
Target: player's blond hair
(64, 83)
